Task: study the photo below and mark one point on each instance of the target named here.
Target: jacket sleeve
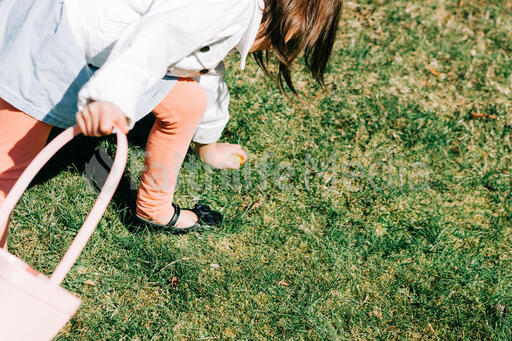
(216, 116)
(170, 31)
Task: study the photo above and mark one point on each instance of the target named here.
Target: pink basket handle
(98, 209)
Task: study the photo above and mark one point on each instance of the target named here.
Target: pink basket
(33, 306)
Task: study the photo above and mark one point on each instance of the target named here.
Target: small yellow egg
(238, 159)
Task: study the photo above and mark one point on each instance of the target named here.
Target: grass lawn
(380, 209)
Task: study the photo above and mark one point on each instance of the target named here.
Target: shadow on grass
(92, 158)
(81, 150)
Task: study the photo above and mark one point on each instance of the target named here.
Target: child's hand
(100, 118)
(222, 155)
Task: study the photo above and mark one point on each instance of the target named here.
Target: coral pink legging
(177, 116)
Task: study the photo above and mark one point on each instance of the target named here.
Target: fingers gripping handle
(97, 211)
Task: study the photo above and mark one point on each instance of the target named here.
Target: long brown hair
(293, 26)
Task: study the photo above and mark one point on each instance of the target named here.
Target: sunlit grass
(376, 209)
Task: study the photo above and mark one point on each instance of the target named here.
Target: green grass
(392, 219)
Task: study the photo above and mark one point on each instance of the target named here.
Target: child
(117, 60)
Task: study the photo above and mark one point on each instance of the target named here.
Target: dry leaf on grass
(434, 72)
(501, 310)
(255, 205)
(482, 115)
(91, 283)
(174, 282)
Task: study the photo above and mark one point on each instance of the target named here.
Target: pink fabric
(21, 138)
(177, 117)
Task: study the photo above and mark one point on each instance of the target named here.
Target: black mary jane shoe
(206, 218)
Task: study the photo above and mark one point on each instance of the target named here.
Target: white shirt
(137, 42)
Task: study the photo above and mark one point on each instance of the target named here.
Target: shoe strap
(175, 217)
